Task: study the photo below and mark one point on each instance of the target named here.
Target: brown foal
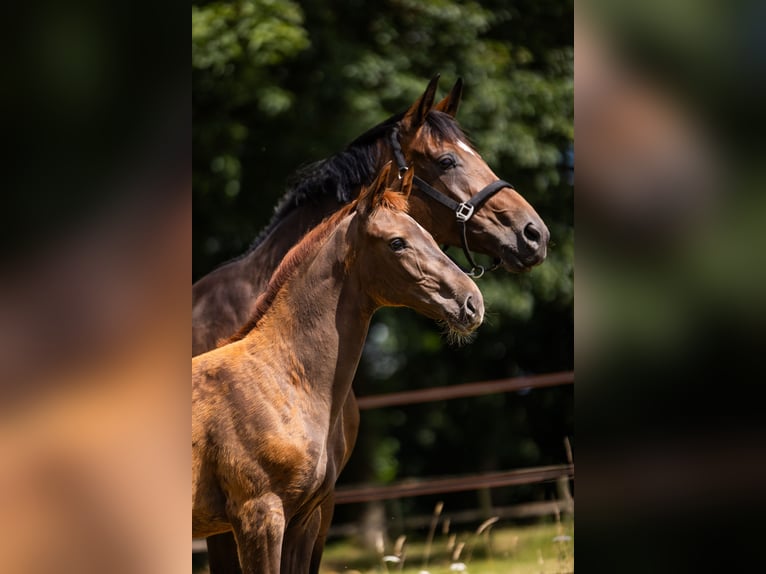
(268, 435)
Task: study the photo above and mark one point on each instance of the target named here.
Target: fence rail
(420, 487)
(465, 390)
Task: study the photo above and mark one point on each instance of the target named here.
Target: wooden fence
(466, 390)
(443, 485)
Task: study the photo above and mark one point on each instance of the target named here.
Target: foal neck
(317, 321)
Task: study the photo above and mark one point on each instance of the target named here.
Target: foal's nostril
(531, 233)
(469, 307)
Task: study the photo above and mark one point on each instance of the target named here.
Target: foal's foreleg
(259, 526)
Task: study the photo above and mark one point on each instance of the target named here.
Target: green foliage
(278, 84)
(248, 33)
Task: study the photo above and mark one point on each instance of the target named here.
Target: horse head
(458, 197)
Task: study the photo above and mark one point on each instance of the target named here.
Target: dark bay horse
(268, 436)
(451, 175)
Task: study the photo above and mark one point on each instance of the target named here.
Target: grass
(498, 549)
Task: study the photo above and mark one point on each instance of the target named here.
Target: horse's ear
(451, 103)
(372, 193)
(416, 115)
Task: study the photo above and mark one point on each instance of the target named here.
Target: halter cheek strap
(463, 211)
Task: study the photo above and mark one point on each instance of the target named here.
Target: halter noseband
(463, 211)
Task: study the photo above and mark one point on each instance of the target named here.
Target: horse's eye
(447, 161)
(397, 244)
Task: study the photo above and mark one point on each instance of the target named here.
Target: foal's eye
(447, 161)
(397, 244)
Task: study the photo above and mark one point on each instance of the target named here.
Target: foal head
(401, 265)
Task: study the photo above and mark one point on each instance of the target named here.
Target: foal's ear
(405, 184)
(451, 103)
(371, 194)
(416, 115)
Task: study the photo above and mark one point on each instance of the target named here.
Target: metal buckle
(476, 272)
(402, 170)
(464, 212)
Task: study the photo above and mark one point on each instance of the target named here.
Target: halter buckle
(463, 212)
(476, 272)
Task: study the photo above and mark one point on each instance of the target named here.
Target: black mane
(344, 173)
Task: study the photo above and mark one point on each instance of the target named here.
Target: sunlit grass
(498, 548)
(546, 548)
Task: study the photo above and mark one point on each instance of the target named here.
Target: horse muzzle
(529, 248)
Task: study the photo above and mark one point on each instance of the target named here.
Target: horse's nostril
(531, 233)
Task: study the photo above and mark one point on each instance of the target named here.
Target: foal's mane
(345, 173)
(305, 249)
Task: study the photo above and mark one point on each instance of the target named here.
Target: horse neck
(317, 324)
(261, 262)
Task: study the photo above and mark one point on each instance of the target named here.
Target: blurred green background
(278, 84)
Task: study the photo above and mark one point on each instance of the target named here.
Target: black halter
(463, 211)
